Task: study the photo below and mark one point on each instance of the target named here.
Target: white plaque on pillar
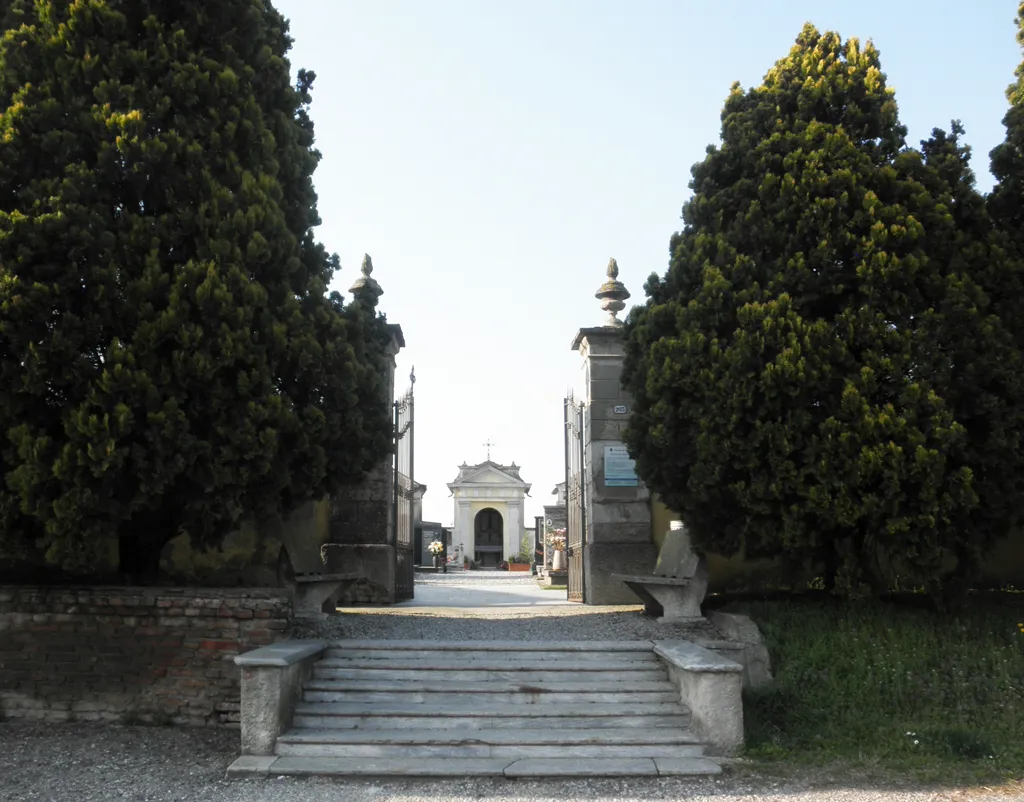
(619, 468)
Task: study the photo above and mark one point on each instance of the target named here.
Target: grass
(893, 690)
(553, 587)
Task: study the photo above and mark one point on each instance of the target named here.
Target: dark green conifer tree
(794, 370)
(169, 359)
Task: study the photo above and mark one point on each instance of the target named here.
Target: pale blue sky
(491, 156)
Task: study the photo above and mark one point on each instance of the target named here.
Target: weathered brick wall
(131, 654)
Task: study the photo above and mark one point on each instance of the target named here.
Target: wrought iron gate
(575, 500)
(402, 514)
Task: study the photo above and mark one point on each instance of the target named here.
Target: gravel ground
(104, 763)
(571, 622)
(94, 763)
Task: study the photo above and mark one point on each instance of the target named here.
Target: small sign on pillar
(619, 468)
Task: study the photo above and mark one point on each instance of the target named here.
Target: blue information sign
(619, 469)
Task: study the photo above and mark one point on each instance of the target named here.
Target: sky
(491, 156)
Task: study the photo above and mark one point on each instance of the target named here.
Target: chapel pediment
(489, 473)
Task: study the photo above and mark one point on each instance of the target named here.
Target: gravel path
(92, 763)
(569, 622)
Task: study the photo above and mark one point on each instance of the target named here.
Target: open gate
(575, 500)
(402, 514)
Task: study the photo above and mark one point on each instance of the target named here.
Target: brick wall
(130, 654)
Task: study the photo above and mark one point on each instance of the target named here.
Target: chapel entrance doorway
(488, 538)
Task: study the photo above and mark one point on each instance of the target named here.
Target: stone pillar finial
(613, 295)
(365, 287)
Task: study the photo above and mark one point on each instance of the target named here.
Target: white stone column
(464, 528)
(514, 529)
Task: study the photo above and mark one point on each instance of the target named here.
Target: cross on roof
(488, 446)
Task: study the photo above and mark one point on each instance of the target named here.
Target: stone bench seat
(675, 589)
(650, 579)
(326, 577)
(316, 593)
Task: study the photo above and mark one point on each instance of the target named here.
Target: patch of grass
(553, 587)
(939, 697)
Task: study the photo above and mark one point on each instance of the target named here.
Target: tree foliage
(821, 374)
(170, 360)
(1007, 159)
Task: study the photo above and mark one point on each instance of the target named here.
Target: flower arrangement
(556, 540)
(436, 548)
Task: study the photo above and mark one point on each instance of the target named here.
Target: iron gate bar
(404, 494)
(575, 500)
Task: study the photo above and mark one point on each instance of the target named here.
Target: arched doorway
(488, 538)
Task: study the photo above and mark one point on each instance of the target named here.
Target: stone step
(487, 706)
(472, 750)
(537, 736)
(325, 670)
(516, 695)
(511, 744)
(499, 662)
(496, 686)
(496, 645)
(447, 656)
(249, 766)
(510, 719)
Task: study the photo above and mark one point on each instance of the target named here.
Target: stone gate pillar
(618, 506)
(360, 529)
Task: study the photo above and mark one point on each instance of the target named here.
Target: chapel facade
(489, 512)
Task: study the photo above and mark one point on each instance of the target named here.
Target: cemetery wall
(161, 655)
(251, 555)
(1005, 566)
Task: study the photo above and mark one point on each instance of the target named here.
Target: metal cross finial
(488, 446)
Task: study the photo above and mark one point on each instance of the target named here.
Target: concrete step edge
(262, 767)
(493, 686)
(534, 737)
(593, 710)
(496, 645)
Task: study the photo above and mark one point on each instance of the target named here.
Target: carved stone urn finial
(613, 295)
(365, 287)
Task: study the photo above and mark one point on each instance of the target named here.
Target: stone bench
(316, 590)
(313, 594)
(676, 588)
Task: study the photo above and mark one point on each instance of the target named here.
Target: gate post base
(602, 560)
(374, 562)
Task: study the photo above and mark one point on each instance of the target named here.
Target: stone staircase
(428, 709)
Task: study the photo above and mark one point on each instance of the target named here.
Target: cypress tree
(791, 371)
(1007, 159)
(169, 359)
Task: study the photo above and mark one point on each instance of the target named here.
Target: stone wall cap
(281, 654)
(689, 656)
(611, 332)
